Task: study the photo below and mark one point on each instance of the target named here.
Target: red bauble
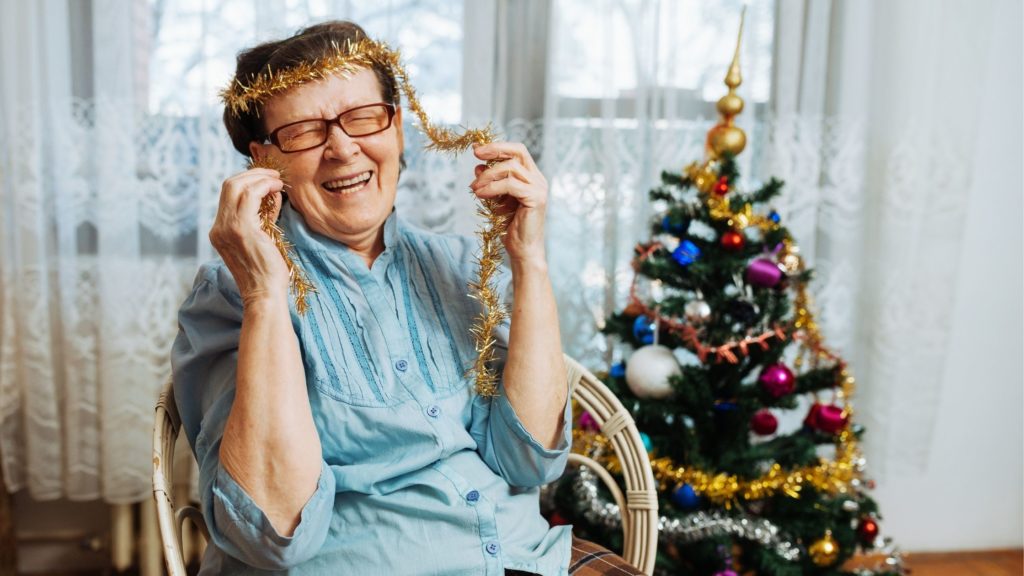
(867, 531)
(811, 420)
(827, 418)
(733, 241)
(831, 419)
(764, 423)
(777, 380)
(556, 519)
(722, 186)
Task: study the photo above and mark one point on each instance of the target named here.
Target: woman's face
(345, 188)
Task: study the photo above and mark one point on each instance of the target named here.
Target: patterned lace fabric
(106, 224)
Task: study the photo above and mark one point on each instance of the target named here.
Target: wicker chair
(640, 502)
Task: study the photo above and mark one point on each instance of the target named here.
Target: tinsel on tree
(724, 342)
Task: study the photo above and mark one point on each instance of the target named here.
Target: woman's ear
(257, 150)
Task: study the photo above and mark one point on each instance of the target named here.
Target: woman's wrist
(533, 264)
(264, 302)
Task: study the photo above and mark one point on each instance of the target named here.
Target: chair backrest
(165, 434)
(639, 506)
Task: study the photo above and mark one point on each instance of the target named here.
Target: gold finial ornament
(725, 137)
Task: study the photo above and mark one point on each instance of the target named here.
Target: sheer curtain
(110, 168)
(874, 126)
(112, 157)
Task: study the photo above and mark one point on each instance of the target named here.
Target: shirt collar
(302, 237)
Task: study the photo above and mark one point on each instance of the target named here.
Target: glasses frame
(272, 137)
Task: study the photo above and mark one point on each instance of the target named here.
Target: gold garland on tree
(244, 95)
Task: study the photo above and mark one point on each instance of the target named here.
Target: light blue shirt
(419, 475)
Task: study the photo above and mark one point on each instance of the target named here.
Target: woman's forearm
(534, 375)
(270, 444)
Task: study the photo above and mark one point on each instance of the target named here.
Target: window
(673, 54)
(193, 44)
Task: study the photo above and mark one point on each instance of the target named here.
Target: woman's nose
(340, 146)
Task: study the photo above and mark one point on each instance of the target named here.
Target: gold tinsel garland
(704, 177)
(245, 95)
(300, 285)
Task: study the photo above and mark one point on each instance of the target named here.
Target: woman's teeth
(349, 184)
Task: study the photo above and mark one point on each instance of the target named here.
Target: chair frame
(639, 504)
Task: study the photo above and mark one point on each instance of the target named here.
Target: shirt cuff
(242, 529)
(539, 464)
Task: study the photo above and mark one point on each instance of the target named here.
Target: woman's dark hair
(306, 45)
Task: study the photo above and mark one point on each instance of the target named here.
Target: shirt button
(472, 496)
(434, 411)
(401, 365)
(492, 548)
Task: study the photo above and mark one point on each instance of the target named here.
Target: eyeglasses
(359, 121)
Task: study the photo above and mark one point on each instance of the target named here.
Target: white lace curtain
(109, 179)
(113, 154)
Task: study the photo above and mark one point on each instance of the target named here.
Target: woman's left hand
(516, 182)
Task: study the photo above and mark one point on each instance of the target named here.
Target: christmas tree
(725, 342)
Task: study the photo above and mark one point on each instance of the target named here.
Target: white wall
(971, 495)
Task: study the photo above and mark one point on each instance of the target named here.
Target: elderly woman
(348, 440)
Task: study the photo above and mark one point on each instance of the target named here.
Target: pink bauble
(764, 273)
(764, 423)
(811, 420)
(587, 421)
(725, 573)
(777, 380)
(831, 419)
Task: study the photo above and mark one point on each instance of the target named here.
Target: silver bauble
(648, 371)
(697, 311)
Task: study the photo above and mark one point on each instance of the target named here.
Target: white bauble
(648, 371)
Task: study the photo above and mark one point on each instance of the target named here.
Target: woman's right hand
(250, 253)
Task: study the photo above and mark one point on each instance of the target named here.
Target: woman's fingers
(504, 150)
(500, 171)
(241, 197)
(522, 191)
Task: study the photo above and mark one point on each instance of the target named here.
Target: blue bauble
(675, 229)
(686, 253)
(618, 370)
(647, 441)
(775, 217)
(643, 329)
(684, 497)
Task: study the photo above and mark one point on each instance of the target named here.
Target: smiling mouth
(348, 185)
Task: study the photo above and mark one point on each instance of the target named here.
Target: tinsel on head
(245, 95)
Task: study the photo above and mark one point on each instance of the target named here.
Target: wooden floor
(981, 563)
(987, 563)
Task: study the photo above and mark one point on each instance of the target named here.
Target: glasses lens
(366, 120)
(302, 135)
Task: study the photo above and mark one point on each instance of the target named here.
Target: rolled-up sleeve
(204, 362)
(505, 445)
(512, 452)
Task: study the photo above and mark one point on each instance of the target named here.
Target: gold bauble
(824, 552)
(725, 139)
(791, 263)
(730, 105)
